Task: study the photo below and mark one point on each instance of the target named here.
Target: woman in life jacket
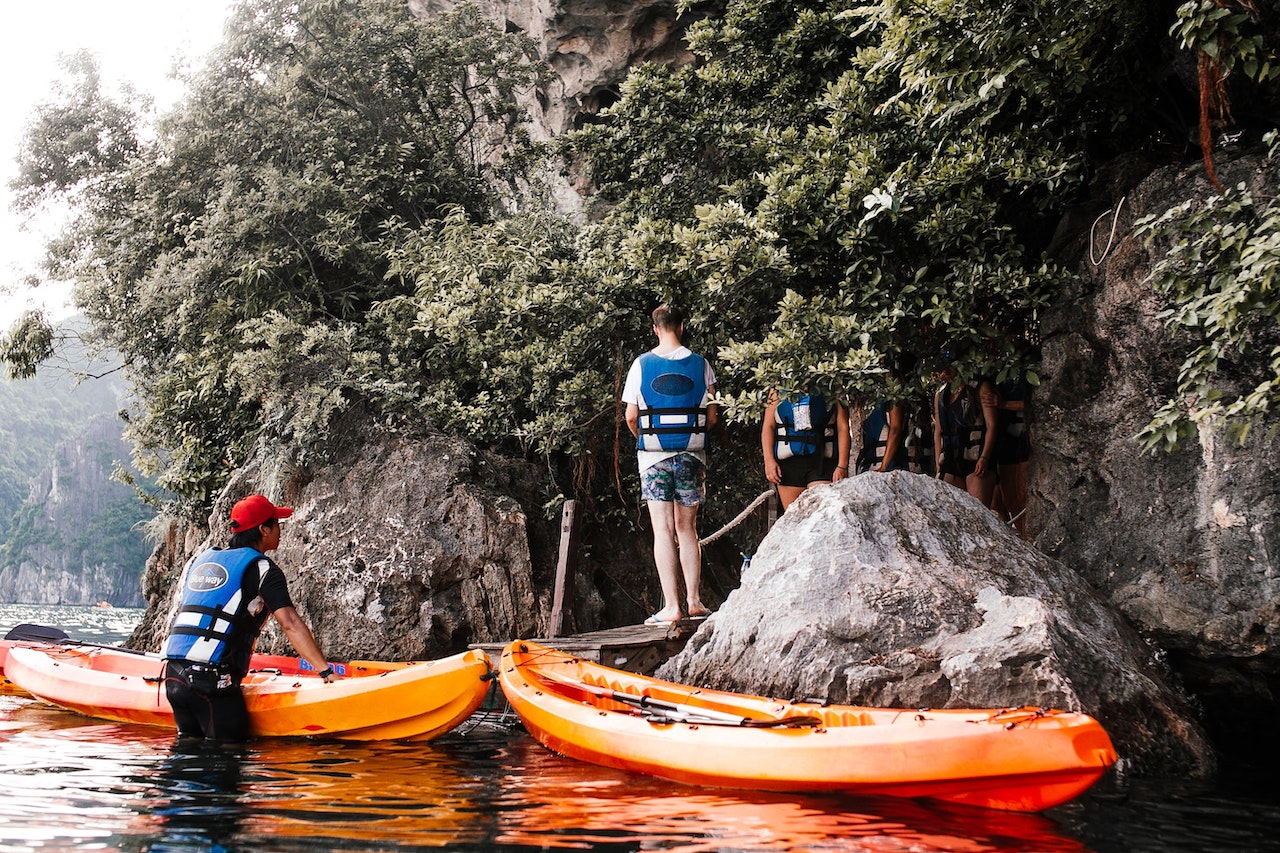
(919, 436)
(1013, 452)
(964, 434)
(805, 442)
(884, 430)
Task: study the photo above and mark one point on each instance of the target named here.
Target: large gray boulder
(898, 590)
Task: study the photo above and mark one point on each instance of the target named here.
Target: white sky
(137, 41)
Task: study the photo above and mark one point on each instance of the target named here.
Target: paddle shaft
(29, 633)
(678, 713)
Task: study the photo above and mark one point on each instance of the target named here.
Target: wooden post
(566, 568)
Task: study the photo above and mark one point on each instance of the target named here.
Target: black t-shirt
(262, 578)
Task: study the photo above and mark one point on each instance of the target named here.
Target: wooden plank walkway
(635, 648)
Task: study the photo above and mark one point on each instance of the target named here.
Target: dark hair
(250, 538)
(667, 317)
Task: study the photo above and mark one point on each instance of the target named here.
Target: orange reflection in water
(383, 793)
(559, 803)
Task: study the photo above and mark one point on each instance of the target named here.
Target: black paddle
(29, 633)
(662, 711)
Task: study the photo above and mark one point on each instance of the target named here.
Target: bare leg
(981, 487)
(787, 494)
(690, 555)
(665, 556)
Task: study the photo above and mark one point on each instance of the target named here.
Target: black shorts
(958, 467)
(206, 703)
(1013, 442)
(800, 471)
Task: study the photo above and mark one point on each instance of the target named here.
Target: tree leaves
(1220, 272)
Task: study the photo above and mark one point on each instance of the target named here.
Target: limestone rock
(76, 540)
(589, 46)
(400, 551)
(898, 590)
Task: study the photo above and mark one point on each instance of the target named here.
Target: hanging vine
(1220, 32)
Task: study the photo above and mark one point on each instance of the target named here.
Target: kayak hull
(417, 701)
(1021, 759)
(277, 663)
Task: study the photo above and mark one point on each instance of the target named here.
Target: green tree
(1219, 269)
(316, 137)
(895, 168)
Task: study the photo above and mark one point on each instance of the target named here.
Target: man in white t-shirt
(669, 410)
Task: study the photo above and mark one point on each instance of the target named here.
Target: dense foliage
(317, 136)
(844, 193)
(836, 193)
(1220, 271)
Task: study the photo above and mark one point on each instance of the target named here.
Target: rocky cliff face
(76, 540)
(1185, 544)
(406, 549)
(589, 45)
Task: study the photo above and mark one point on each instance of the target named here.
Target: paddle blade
(28, 633)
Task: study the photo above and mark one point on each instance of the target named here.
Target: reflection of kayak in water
(418, 700)
(557, 803)
(1021, 759)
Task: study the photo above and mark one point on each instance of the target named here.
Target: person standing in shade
(805, 443)
(964, 434)
(883, 432)
(669, 410)
(1013, 452)
(226, 597)
(919, 440)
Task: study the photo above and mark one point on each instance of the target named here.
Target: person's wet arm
(991, 417)
(633, 419)
(842, 444)
(301, 638)
(896, 421)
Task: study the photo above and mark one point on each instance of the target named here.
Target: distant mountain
(68, 531)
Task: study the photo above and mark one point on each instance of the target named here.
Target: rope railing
(742, 516)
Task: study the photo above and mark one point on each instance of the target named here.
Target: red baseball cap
(255, 510)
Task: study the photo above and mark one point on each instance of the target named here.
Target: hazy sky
(137, 41)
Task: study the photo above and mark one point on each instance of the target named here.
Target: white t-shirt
(631, 395)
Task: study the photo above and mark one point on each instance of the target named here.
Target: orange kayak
(1020, 759)
(276, 663)
(413, 701)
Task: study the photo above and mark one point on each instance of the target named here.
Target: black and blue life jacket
(214, 624)
(875, 441)
(791, 440)
(673, 410)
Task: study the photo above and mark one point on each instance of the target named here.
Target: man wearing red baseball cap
(226, 597)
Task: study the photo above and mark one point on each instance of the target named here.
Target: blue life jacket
(673, 411)
(875, 441)
(213, 624)
(820, 437)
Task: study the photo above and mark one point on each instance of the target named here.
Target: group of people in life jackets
(974, 435)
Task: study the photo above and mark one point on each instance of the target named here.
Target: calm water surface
(68, 783)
